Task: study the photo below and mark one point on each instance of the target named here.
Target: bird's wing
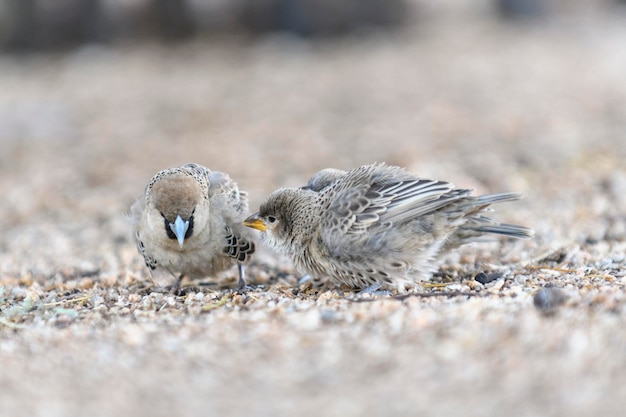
(233, 205)
(237, 246)
(356, 215)
(355, 210)
(160, 276)
(323, 179)
(225, 192)
(412, 199)
(377, 206)
(136, 211)
(197, 170)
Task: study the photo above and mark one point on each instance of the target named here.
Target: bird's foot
(374, 289)
(241, 288)
(176, 288)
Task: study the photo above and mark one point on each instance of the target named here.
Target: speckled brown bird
(377, 225)
(189, 223)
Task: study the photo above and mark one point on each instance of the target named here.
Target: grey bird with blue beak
(189, 223)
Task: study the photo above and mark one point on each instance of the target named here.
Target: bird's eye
(271, 219)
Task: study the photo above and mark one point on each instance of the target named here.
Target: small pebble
(497, 285)
(261, 277)
(475, 285)
(85, 284)
(328, 315)
(548, 299)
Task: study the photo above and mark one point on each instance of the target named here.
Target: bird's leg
(175, 288)
(241, 285)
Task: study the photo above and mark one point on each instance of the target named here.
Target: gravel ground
(536, 108)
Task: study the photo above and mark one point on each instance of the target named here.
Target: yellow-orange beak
(255, 222)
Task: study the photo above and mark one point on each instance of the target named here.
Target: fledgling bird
(189, 223)
(375, 226)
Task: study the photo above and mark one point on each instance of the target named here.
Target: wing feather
(370, 204)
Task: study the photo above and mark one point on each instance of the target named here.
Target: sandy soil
(539, 109)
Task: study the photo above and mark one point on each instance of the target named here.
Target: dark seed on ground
(487, 278)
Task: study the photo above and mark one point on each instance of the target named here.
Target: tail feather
(483, 224)
(510, 230)
(497, 198)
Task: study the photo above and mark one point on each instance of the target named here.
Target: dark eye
(271, 219)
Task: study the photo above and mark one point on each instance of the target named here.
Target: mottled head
(280, 216)
(323, 179)
(175, 196)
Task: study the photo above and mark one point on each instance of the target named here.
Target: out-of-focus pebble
(548, 299)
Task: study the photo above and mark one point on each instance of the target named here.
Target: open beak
(255, 222)
(179, 227)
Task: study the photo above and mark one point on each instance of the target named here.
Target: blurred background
(98, 95)
(498, 95)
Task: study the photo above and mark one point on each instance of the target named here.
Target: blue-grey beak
(179, 227)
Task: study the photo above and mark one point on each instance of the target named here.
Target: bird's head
(175, 200)
(280, 216)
